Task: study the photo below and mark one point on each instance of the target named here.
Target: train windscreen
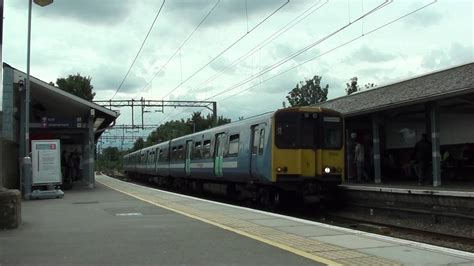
(297, 130)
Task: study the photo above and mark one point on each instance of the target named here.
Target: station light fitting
(43, 2)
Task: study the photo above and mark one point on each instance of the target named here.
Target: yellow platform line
(237, 231)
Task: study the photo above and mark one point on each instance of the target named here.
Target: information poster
(46, 161)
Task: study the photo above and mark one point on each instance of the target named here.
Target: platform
(148, 226)
(412, 188)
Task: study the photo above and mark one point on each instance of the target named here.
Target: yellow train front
(308, 151)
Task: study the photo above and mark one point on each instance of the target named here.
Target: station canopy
(52, 101)
(455, 86)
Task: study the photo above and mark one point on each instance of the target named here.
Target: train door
(257, 147)
(157, 157)
(187, 162)
(219, 154)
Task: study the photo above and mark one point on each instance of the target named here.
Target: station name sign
(61, 122)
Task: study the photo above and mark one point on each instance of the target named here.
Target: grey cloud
(457, 54)
(85, 11)
(428, 17)
(367, 54)
(371, 74)
(249, 104)
(108, 78)
(192, 11)
(336, 86)
(280, 85)
(280, 51)
(222, 63)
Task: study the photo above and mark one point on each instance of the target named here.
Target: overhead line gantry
(143, 103)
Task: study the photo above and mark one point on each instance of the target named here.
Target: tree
(369, 86)
(138, 145)
(110, 158)
(308, 93)
(77, 85)
(177, 128)
(352, 86)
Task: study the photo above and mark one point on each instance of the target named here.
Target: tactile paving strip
(336, 254)
(368, 261)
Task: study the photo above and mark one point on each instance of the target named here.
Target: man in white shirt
(359, 158)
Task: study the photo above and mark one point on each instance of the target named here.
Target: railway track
(423, 232)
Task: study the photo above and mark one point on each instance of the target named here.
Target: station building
(389, 120)
(54, 114)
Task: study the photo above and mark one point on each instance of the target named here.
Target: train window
(197, 150)
(255, 142)
(174, 154)
(262, 141)
(180, 152)
(206, 149)
(163, 155)
(233, 144)
(308, 131)
(286, 126)
(332, 133)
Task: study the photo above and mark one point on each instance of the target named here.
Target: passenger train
(293, 150)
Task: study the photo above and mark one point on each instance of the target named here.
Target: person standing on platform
(76, 162)
(423, 157)
(70, 169)
(359, 158)
(63, 165)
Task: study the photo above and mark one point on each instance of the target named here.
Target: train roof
(246, 121)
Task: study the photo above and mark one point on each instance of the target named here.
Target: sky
(251, 53)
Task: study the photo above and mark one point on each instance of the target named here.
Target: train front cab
(308, 152)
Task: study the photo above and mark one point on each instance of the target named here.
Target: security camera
(21, 85)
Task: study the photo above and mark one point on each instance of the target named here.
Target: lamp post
(27, 174)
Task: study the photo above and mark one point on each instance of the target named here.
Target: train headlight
(327, 170)
(282, 169)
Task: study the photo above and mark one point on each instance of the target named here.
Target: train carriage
(297, 150)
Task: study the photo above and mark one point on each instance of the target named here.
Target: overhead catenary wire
(295, 21)
(299, 52)
(182, 45)
(139, 50)
(226, 49)
(283, 61)
(247, 15)
(333, 49)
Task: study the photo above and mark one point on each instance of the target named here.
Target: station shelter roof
(62, 103)
(452, 82)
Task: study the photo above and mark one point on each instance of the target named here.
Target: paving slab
(309, 230)
(320, 242)
(248, 216)
(415, 256)
(275, 222)
(83, 228)
(354, 241)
